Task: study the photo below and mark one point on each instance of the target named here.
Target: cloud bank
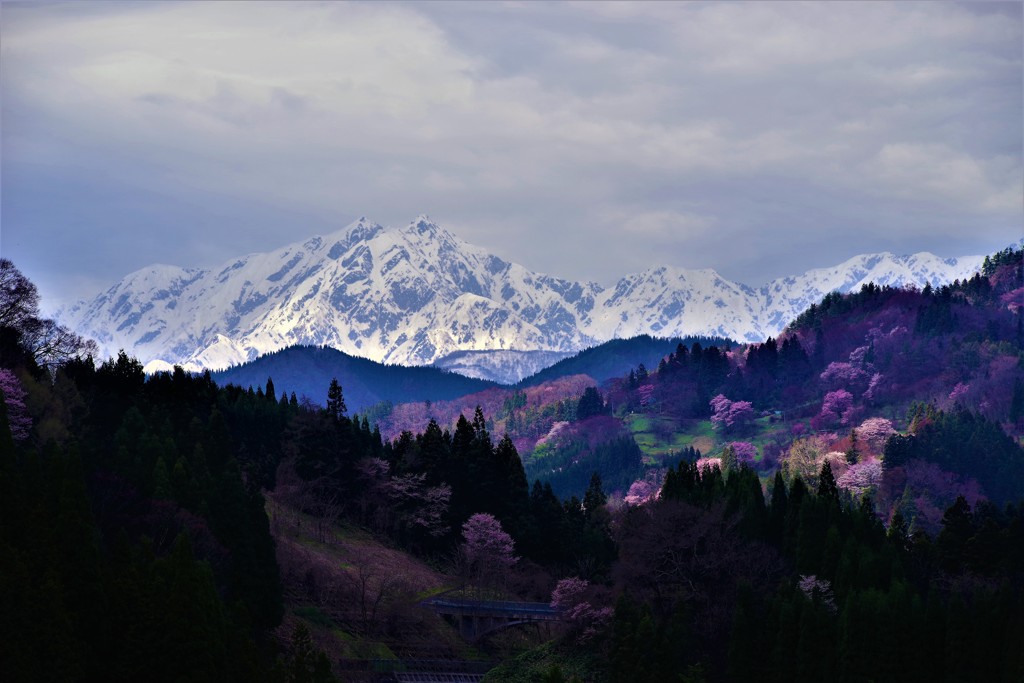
(586, 140)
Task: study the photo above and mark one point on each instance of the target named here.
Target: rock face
(417, 294)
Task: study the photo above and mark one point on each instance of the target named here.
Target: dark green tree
(827, 488)
(336, 407)
(957, 530)
(591, 403)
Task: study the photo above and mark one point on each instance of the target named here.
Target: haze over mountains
(417, 295)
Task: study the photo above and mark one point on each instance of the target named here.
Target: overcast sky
(582, 140)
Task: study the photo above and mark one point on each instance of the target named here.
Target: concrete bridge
(477, 618)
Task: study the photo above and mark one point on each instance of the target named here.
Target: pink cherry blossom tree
(876, 388)
(706, 464)
(746, 452)
(388, 502)
(845, 375)
(1014, 300)
(873, 433)
(731, 415)
(644, 490)
(818, 589)
(836, 408)
(487, 550)
(861, 477)
(586, 621)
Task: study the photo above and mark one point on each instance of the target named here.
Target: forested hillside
(845, 502)
(939, 365)
(615, 358)
(303, 369)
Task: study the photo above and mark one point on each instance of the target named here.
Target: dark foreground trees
(134, 543)
(712, 581)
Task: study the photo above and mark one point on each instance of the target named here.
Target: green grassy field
(659, 437)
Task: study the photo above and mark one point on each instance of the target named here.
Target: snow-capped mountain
(502, 366)
(416, 294)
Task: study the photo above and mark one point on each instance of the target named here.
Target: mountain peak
(422, 224)
(418, 293)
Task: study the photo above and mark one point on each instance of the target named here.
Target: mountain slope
(308, 371)
(614, 358)
(502, 366)
(417, 294)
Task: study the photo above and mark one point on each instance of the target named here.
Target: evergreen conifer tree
(827, 488)
(336, 401)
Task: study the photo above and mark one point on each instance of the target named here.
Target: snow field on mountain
(417, 294)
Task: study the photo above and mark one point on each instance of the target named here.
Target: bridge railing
(493, 606)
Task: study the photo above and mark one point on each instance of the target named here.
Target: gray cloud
(585, 140)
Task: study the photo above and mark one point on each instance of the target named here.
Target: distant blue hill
(617, 357)
(308, 370)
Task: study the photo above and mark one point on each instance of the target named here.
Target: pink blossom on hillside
(431, 508)
(745, 451)
(720, 404)
(837, 461)
(839, 375)
(556, 428)
(837, 407)
(813, 587)
(861, 477)
(486, 543)
(959, 391)
(569, 596)
(387, 500)
(876, 387)
(730, 414)
(874, 432)
(644, 490)
(995, 385)
(14, 400)
(568, 593)
(837, 401)
(859, 355)
(708, 463)
(1014, 300)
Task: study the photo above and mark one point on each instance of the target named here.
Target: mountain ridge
(416, 294)
(306, 371)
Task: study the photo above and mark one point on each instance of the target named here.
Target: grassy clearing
(656, 436)
(659, 437)
(704, 444)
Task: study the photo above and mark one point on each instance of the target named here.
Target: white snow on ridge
(417, 294)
